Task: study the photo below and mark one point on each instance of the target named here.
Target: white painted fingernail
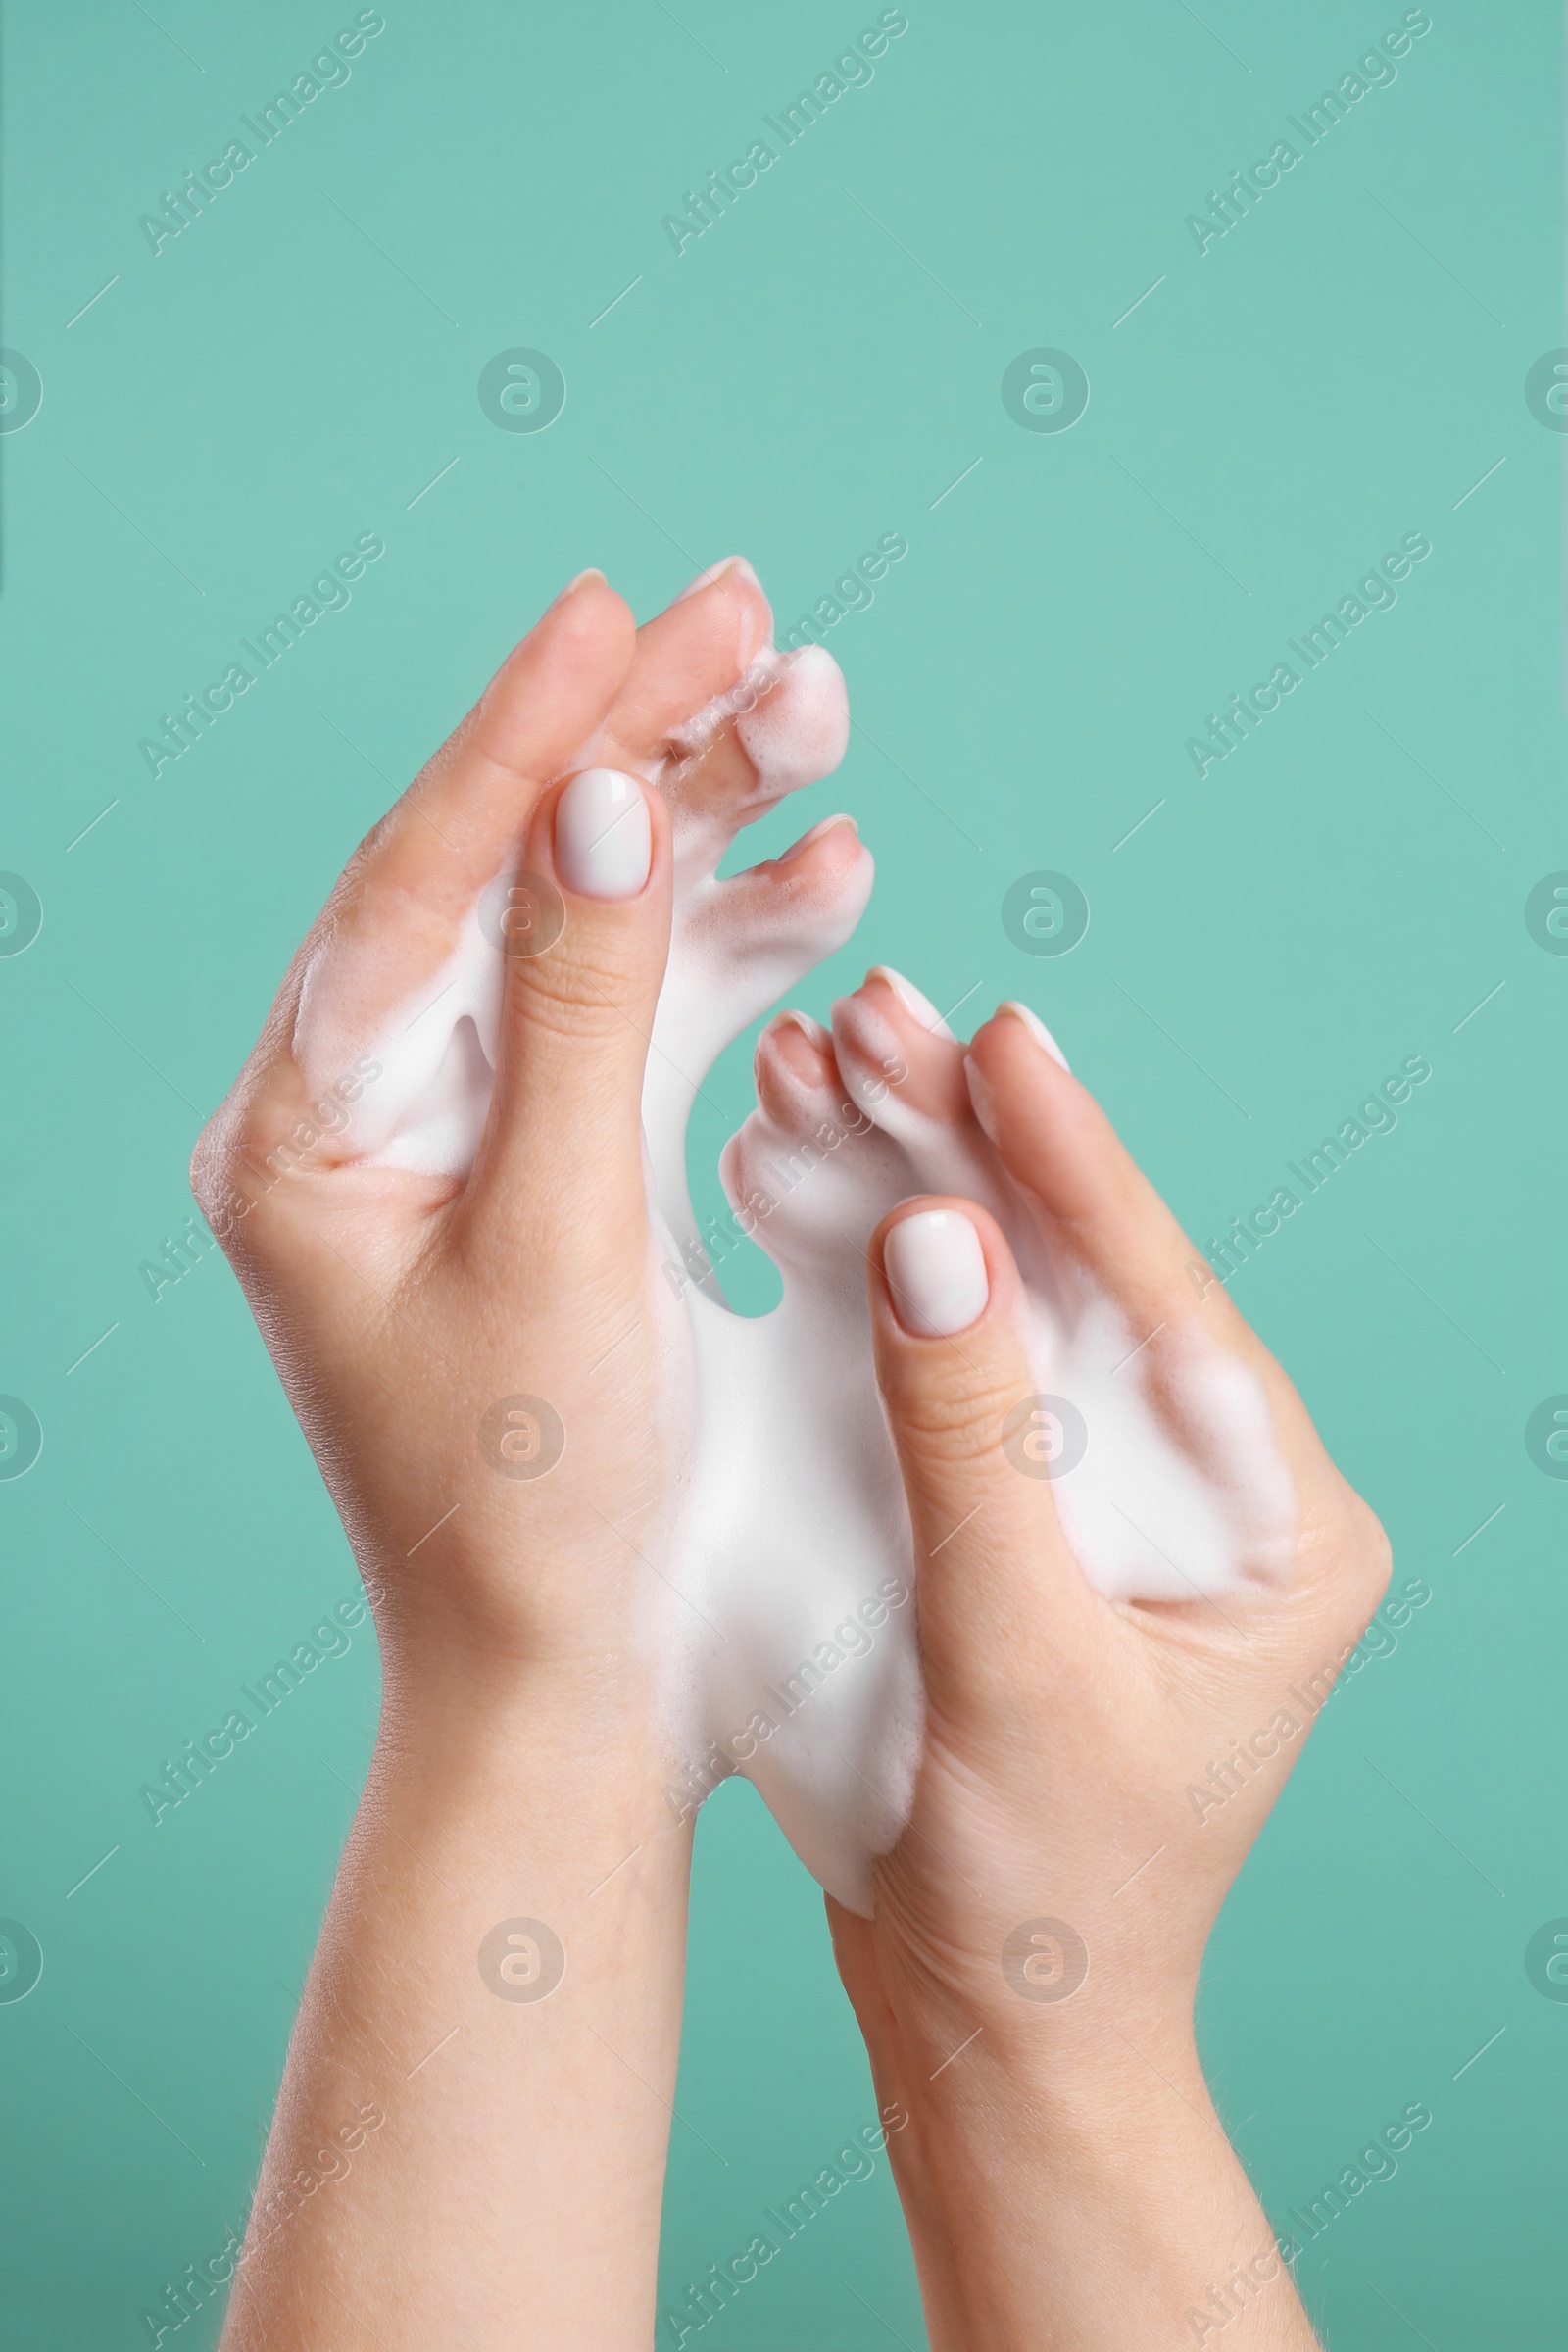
(936, 1272)
(571, 587)
(924, 1011)
(717, 571)
(821, 1038)
(1036, 1030)
(799, 848)
(981, 1095)
(603, 836)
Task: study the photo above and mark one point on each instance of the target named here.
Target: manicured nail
(821, 1038)
(981, 1095)
(571, 587)
(936, 1272)
(924, 1011)
(717, 571)
(603, 836)
(1036, 1030)
(798, 848)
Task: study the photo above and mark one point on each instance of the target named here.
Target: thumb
(585, 938)
(1003, 1603)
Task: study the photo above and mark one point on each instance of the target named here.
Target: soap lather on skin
(794, 1509)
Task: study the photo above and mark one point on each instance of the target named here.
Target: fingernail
(911, 998)
(717, 571)
(571, 587)
(981, 1096)
(1036, 1030)
(798, 848)
(821, 1038)
(603, 836)
(936, 1272)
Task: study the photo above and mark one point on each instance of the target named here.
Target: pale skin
(517, 1774)
(1065, 2179)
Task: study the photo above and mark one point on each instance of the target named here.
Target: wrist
(1043, 2094)
(569, 1754)
(1076, 2187)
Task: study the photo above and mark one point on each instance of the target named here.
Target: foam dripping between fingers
(789, 1643)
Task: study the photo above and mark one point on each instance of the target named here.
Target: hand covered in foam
(431, 1175)
(772, 1520)
(434, 1185)
(724, 726)
(1096, 1762)
(1152, 1424)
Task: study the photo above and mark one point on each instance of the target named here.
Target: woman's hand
(1093, 1774)
(470, 2136)
(411, 1316)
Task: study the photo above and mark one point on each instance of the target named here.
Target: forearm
(464, 2145)
(1089, 2199)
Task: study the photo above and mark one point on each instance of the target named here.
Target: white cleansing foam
(790, 1640)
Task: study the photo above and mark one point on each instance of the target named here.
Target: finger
(783, 723)
(400, 911)
(686, 657)
(1060, 1148)
(1002, 1600)
(562, 1151)
(751, 937)
(783, 915)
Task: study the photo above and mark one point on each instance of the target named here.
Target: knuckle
(581, 994)
(955, 1416)
(1345, 1555)
(213, 1170)
(243, 1157)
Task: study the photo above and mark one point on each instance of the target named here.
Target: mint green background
(797, 382)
